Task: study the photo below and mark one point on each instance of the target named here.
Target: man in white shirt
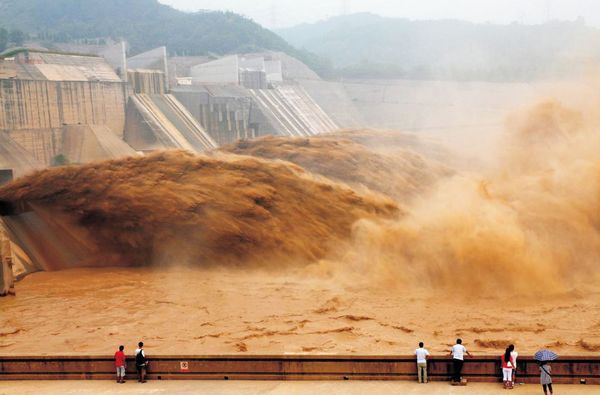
(458, 354)
(422, 355)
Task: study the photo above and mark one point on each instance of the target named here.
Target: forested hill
(367, 45)
(145, 24)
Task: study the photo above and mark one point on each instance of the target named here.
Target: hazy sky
(284, 13)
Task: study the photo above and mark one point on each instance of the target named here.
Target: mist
(336, 177)
(287, 13)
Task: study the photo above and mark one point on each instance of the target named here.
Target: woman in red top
(508, 364)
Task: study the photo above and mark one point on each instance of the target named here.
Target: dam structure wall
(155, 118)
(44, 96)
(260, 91)
(61, 107)
(66, 108)
(292, 111)
(226, 112)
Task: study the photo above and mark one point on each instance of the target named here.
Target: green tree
(147, 24)
(60, 160)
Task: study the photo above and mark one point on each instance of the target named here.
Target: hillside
(367, 45)
(145, 24)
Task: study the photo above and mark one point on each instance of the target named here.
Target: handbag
(542, 367)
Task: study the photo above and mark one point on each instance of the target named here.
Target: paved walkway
(274, 388)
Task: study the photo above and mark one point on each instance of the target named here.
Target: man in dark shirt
(141, 362)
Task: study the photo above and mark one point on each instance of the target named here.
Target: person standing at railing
(422, 355)
(507, 368)
(458, 352)
(141, 362)
(546, 377)
(120, 364)
(514, 354)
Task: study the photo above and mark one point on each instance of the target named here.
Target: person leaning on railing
(458, 352)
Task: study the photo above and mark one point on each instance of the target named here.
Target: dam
(71, 108)
(85, 107)
(278, 249)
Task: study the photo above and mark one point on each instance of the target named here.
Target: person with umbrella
(543, 357)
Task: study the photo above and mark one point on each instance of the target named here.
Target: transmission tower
(274, 16)
(548, 10)
(343, 7)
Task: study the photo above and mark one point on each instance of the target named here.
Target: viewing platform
(566, 370)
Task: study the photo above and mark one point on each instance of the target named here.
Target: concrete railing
(293, 367)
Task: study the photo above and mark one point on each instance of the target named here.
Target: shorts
(120, 371)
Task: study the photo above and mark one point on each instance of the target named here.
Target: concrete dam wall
(161, 121)
(85, 143)
(38, 115)
(58, 108)
(55, 104)
(49, 240)
(225, 112)
(14, 156)
(30, 104)
(232, 112)
(292, 111)
(77, 143)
